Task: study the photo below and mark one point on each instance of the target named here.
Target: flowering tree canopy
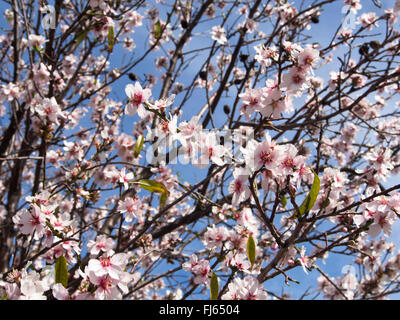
(195, 149)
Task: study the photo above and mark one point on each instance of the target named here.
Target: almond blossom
(252, 101)
(33, 221)
(132, 207)
(308, 57)
(109, 264)
(125, 177)
(49, 109)
(274, 103)
(295, 81)
(36, 40)
(218, 34)
(263, 154)
(245, 289)
(210, 149)
(240, 190)
(136, 97)
(265, 56)
(102, 243)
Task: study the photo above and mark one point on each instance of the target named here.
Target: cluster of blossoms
(104, 278)
(108, 276)
(133, 208)
(276, 163)
(245, 289)
(48, 220)
(270, 100)
(24, 285)
(381, 212)
(199, 268)
(372, 256)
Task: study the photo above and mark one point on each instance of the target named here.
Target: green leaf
(377, 3)
(309, 201)
(36, 48)
(157, 30)
(111, 38)
(251, 249)
(152, 186)
(283, 201)
(213, 286)
(82, 36)
(138, 146)
(163, 199)
(61, 271)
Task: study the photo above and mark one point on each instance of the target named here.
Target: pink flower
(308, 57)
(60, 293)
(295, 80)
(188, 266)
(33, 221)
(304, 260)
(250, 25)
(124, 178)
(73, 150)
(368, 20)
(289, 159)
(302, 172)
(125, 147)
(98, 4)
(218, 34)
(382, 222)
(355, 5)
(132, 207)
(201, 272)
(240, 261)
(215, 237)
(380, 159)
(49, 109)
(291, 48)
(245, 289)
(136, 97)
(11, 290)
(10, 91)
(246, 219)
(210, 150)
(266, 154)
(252, 101)
(264, 56)
(106, 287)
(102, 243)
(33, 286)
(273, 104)
(358, 80)
(133, 19)
(166, 132)
(36, 40)
(109, 264)
(189, 129)
(335, 78)
(237, 187)
(164, 103)
(41, 74)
